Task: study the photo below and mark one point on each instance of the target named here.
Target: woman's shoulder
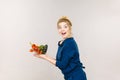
(67, 42)
(70, 42)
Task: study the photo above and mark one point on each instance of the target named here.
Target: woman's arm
(46, 57)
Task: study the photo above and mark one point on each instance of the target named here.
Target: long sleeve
(69, 56)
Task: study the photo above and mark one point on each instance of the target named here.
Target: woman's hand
(43, 56)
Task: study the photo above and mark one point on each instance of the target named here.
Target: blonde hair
(64, 19)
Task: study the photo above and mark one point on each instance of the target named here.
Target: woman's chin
(64, 37)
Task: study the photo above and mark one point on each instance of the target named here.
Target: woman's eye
(65, 26)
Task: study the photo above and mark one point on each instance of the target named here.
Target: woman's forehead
(62, 23)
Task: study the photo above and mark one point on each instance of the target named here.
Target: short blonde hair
(64, 19)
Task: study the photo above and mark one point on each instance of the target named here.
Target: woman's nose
(62, 29)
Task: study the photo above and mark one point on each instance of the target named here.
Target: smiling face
(64, 30)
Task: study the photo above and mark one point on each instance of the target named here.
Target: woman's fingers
(40, 55)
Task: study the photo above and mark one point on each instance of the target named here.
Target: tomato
(31, 50)
(41, 49)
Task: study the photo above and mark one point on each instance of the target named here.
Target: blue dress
(68, 60)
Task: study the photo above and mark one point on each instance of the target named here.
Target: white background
(96, 28)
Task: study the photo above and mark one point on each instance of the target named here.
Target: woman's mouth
(63, 33)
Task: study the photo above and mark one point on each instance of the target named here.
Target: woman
(67, 58)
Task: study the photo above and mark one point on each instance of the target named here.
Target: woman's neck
(70, 36)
